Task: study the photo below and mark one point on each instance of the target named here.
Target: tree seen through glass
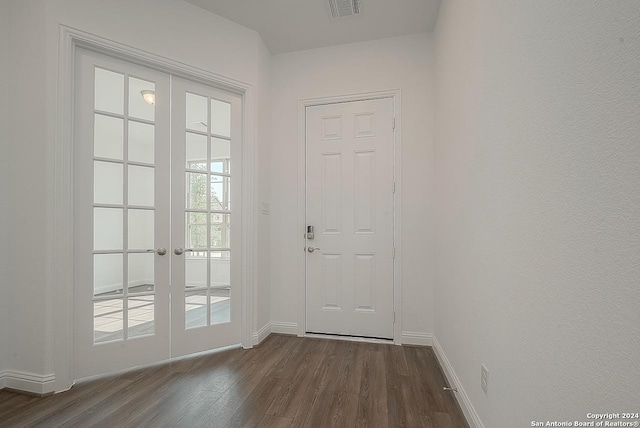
(197, 221)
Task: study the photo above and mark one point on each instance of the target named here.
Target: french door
(153, 191)
(205, 139)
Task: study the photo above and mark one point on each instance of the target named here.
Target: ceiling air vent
(342, 8)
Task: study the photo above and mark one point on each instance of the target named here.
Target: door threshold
(170, 360)
(348, 337)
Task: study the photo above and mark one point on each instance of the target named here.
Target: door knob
(160, 251)
(312, 249)
(178, 251)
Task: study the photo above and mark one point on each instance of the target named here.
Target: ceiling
(292, 25)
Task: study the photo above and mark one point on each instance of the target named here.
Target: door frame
(62, 248)
(396, 96)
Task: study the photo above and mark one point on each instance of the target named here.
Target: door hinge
(394, 123)
(394, 187)
(394, 252)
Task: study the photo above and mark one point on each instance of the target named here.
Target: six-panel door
(349, 263)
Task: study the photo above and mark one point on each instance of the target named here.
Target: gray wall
(4, 181)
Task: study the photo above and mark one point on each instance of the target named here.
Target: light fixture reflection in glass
(149, 96)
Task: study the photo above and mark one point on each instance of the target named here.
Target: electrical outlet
(484, 378)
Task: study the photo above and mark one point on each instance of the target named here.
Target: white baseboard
(27, 382)
(284, 327)
(461, 396)
(261, 334)
(416, 338)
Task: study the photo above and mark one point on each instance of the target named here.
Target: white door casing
(350, 203)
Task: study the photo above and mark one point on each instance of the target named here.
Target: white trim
(262, 334)
(285, 327)
(160, 363)
(27, 382)
(349, 338)
(470, 414)
(416, 338)
(397, 217)
(249, 220)
(396, 95)
(62, 214)
(63, 217)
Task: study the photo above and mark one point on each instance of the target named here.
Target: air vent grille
(342, 8)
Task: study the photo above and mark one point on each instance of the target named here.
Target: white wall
(263, 298)
(397, 63)
(538, 203)
(4, 182)
(169, 28)
(28, 344)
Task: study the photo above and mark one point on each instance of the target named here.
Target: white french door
(349, 188)
(153, 272)
(205, 139)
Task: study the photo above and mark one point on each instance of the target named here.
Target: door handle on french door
(312, 249)
(178, 251)
(160, 251)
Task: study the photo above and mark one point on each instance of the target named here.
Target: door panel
(206, 136)
(121, 215)
(349, 276)
(157, 270)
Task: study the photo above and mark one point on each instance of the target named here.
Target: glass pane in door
(141, 233)
(141, 310)
(196, 151)
(220, 193)
(107, 183)
(108, 320)
(142, 98)
(141, 142)
(141, 273)
(107, 235)
(220, 118)
(108, 137)
(196, 114)
(141, 185)
(220, 292)
(195, 308)
(109, 91)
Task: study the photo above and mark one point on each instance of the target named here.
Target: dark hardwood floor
(285, 382)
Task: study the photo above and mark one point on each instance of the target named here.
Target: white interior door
(349, 188)
(121, 215)
(157, 188)
(206, 135)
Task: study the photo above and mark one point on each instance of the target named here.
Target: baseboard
(461, 396)
(27, 382)
(261, 334)
(416, 338)
(284, 327)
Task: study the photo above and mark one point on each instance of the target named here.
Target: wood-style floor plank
(285, 382)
